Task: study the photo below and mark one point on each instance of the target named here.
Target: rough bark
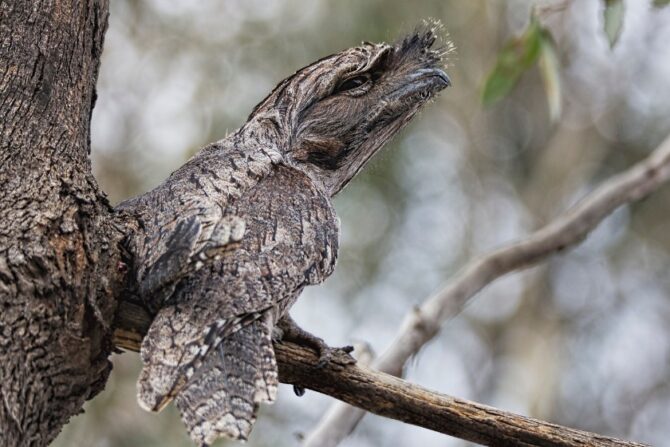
(57, 241)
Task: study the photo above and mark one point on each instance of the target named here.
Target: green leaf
(661, 3)
(517, 55)
(613, 19)
(550, 71)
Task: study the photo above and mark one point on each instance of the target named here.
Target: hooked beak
(442, 75)
(425, 83)
(434, 77)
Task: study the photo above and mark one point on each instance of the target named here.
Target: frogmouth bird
(224, 247)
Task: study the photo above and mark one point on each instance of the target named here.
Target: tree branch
(570, 228)
(395, 398)
(392, 397)
(340, 416)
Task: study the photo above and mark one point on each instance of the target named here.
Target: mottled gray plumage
(226, 244)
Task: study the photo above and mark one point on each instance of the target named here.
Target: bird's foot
(290, 331)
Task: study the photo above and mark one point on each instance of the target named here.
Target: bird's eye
(352, 83)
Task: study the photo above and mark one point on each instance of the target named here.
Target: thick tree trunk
(58, 240)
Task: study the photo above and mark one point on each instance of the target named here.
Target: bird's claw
(341, 355)
(299, 390)
(289, 331)
(326, 355)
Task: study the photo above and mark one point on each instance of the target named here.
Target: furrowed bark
(58, 241)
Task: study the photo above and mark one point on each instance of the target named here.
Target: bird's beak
(442, 75)
(435, 76)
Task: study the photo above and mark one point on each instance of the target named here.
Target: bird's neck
(264, 131)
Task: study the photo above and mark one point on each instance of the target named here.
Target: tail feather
(267, 378)
(174, 349)
(222, 397)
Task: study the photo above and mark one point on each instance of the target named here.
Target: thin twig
(571, 227)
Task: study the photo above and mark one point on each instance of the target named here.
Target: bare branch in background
(568, 229)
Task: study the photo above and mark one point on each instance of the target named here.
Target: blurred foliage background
(583, 340)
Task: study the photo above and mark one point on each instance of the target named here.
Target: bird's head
(335, 114)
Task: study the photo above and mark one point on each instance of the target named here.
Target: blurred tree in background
(583, 340)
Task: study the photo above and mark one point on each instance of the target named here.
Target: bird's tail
(222, 397)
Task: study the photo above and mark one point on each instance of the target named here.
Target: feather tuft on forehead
(422, 42)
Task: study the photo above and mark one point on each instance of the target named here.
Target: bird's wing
(186, 222)
(193, 241)
(290, 241)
